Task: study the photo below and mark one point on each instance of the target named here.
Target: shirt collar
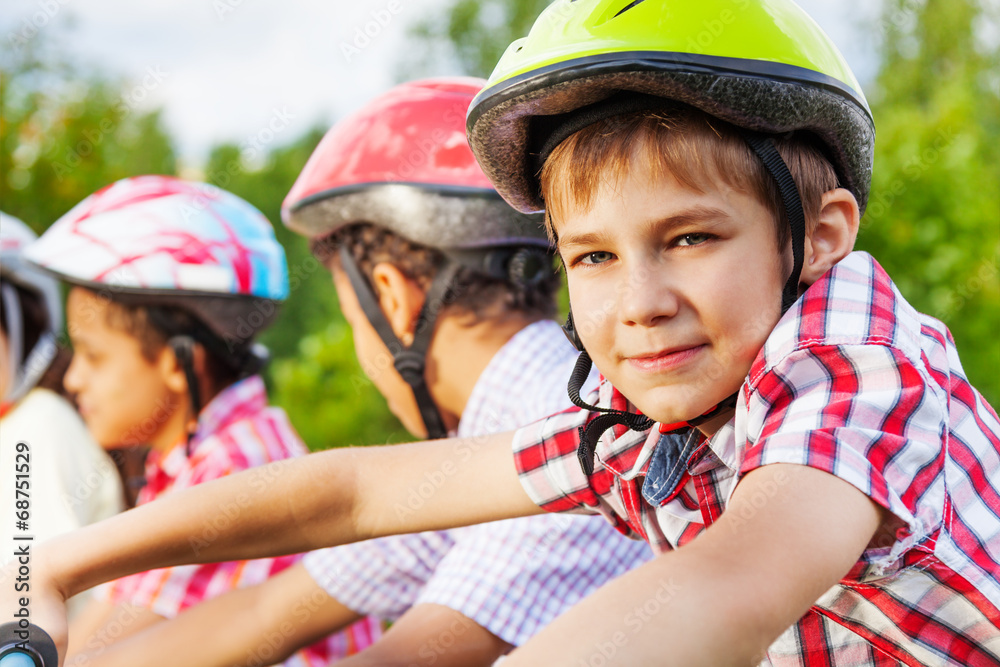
(723, 445)
(627, 453)
(624, 452)
(235, 402)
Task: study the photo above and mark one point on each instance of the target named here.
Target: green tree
(934, 217)
(471, 33)
(66, 131)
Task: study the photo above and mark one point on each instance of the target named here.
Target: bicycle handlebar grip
(26, 647)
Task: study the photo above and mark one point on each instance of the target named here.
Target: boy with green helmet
(766, 390)
(783, 388)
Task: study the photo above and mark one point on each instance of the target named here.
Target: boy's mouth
(664, 360)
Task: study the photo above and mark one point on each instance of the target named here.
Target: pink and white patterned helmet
(172, 242)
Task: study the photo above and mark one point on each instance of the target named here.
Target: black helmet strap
(183, 347)
(791, 202)
(246, 360)
(410, 361)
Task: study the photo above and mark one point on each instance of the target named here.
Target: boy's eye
(692, 239)
(598, 257)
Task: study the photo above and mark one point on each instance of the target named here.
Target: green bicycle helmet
(761, 65)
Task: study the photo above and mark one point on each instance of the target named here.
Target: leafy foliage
(473, 33)
(65, 134)
(934, 217)
(328, 397)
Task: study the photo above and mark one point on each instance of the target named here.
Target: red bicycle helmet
(403, 163)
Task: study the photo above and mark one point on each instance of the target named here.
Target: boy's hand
(46, 604)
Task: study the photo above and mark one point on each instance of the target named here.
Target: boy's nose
(647, 297)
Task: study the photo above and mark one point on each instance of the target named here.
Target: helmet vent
(608, 15)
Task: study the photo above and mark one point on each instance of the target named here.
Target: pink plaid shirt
(236, 431)
(852, 381)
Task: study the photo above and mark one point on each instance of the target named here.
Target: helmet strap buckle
(409, 361)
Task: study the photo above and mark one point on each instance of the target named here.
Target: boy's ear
(833, 237)
(400, 298)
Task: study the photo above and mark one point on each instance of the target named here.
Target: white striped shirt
(511, 577)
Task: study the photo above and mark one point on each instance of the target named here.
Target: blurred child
(72, 481)
(171, 282)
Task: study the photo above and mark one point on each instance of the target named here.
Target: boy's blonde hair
(692, 147)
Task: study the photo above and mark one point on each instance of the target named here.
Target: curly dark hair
(472, 292)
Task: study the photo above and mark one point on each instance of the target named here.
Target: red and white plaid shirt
(236, 431)
(855, 382)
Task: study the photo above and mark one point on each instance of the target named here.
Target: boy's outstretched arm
(323, 499)
(272, 620)
(788, 535)
(248, 626)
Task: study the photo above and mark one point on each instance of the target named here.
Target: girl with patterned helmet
(170, 283)
(202, 265)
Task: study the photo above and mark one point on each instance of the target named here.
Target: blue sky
(224, 70)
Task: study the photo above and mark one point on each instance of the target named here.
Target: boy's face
(123, 397)
(375, 358)
(673, 291)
